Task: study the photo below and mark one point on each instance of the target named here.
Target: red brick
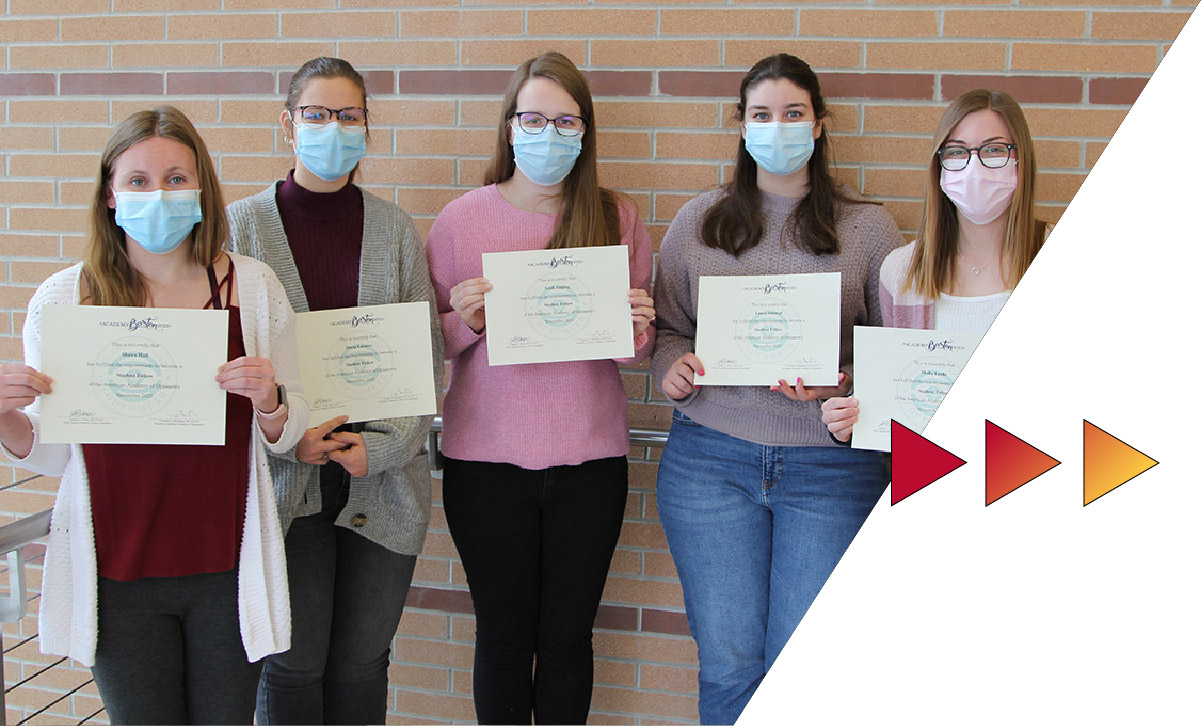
(1118, 91)
(467, 82)
(27, 84)
(441, 600)
(1024, 89)
(110, 84)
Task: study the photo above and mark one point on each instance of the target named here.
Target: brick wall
(664, 73)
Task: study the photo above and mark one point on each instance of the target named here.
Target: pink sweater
(535, 415)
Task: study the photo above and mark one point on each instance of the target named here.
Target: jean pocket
(679, 418)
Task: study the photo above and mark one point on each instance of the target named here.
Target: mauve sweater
(535, 415)
(866, 234)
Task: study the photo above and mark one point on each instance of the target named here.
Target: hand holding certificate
(133, 375)
(558, 305)
(903, 374)
(368, 362)
(753, 330)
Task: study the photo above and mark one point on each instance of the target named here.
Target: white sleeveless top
(968, 314)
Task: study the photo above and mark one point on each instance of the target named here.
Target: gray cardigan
(391, 505)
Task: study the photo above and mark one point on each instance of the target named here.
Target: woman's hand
(839, 414)
(316, 446)
(20, 385)
(800, 393)
(353, 454)
(642, 309)
(467, 299)
(253, 378)
(678, 382)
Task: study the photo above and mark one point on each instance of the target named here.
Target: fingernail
(798, 381)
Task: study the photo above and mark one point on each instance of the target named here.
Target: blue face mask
(330, 150)
(780, 148)
(158, 221)
(545, 158)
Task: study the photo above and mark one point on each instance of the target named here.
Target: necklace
(976, 269)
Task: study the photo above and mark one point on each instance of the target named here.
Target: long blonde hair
(108, 276)
(930, 271)
(590, 216)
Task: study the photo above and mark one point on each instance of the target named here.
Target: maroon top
(162, 510)
(325, 232)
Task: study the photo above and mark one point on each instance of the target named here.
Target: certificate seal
(359, 368)
(922, 386)
(134, 377)
(768, 331)
(558, 306)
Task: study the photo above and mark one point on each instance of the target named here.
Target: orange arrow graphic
(1109, 463)
(1010, 462)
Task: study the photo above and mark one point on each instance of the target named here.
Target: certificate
(558, 305)
(903, 374)
(133, 375)
(368, 362)
(753, 330)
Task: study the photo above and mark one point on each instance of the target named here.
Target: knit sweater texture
(391, 505)
(866, 234)
(67, 617)
(535, 415)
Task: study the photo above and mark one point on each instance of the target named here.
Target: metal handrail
(27, 530)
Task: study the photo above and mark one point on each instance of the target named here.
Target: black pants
(170, 651)
(536, 547)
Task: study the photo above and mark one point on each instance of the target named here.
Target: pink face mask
(981, 194)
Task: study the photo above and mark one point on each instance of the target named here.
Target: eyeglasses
(533, 122)
(993, 156)
(352, 115)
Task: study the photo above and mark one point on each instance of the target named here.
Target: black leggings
(536, 547)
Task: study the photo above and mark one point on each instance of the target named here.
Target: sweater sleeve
(47, 459)
(285, 359)
(641, 265)
(394, 442)
(888, 239)
(440, 252)
(676, 329)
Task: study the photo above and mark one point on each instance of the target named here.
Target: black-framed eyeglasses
(994, 155)
(533, 122)
(313, 114)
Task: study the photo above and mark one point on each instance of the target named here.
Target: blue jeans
(755, 531)
(347, 595)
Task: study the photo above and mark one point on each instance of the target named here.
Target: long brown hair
(326, 67)
(932, 267)
(735, 222)
(590, 214)
(108, 276)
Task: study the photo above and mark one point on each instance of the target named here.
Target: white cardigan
(67, 616)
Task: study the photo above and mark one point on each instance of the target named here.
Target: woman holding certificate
(535, 479)
(758, 503)
(978, 235)
(357, 500)
(165, 564)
